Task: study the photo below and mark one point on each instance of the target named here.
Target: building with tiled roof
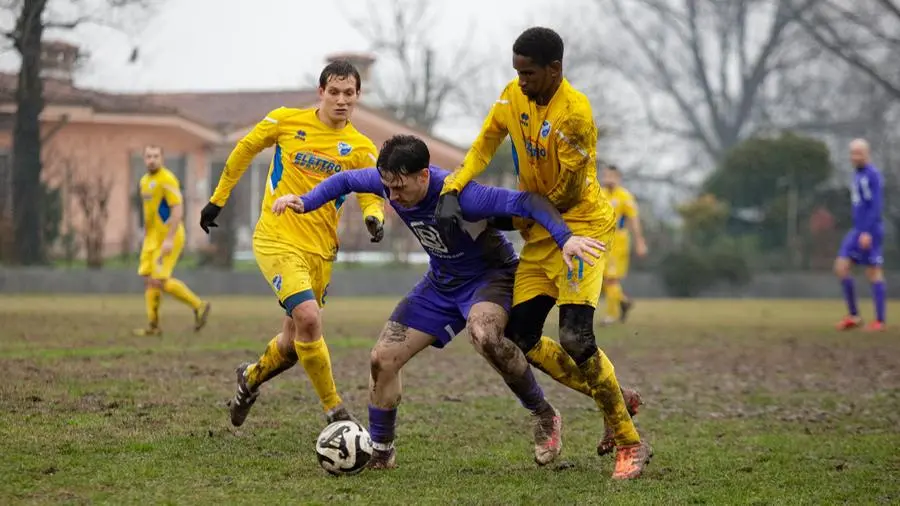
(99, 134)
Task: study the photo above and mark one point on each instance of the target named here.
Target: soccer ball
(344, 447)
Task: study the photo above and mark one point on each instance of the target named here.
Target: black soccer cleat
(243, 398)
(625, 306)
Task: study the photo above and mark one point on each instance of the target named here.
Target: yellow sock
(272, 363)
(152, 298)
(548, 356)
(317, 363)
(601, 376)
(180, 291)
(613, 299)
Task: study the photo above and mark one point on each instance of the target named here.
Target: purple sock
(528, 391)
(849, 295)
(381, 425)
(879, 293)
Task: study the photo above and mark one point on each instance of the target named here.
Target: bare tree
(92, 195)
(87, 187)
(32, 19)
(704, 71)
(865, 35)
(415, 81)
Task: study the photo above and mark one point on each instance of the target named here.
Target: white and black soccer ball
(344, 447)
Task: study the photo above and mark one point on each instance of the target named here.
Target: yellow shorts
(542, 272)
(153, 263)
(295, 275)
(619, 257)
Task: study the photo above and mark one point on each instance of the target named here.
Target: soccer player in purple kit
(862, 244)
(469, 285)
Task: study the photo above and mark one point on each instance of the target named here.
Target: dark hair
(153, 146)
(403, 155)
(542, 45)
(340, 69)
(612, 168)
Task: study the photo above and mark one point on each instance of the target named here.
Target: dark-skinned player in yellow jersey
(554, 139)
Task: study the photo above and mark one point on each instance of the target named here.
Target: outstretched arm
(480, 202)
(343, 183)
(263, 135)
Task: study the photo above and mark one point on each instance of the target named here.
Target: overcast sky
(262, 44)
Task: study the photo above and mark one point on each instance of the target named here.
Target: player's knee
(874, 274)
(576, 332)
(382, 362)
(484, 334)
(305, 317)
(526, 322)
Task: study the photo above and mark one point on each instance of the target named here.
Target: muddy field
(746, 403)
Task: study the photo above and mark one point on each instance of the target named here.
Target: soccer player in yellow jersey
(617, 303)
(163, 242)
(294, 252)
(554, 138)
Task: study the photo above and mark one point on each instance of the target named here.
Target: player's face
(859, 155)
(609, 179)
(407, 190)
(153, 159)
(338, 98)
(535, 81)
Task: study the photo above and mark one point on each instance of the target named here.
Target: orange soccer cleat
(849, 322)
(875, 326)
(631, 460)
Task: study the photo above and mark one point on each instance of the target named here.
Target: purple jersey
(481, 250)
(866, 196)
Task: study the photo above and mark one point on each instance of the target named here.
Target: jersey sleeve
(577, 152)
(263, 135)
(630, 207)
(171, 189)
(361, 181)
(872, 194)
(493, 131)
(371, 204)
(479, 202)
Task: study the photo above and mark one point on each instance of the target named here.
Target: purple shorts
(850, 249)
(442, 312)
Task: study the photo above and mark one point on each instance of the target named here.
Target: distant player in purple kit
(469, 285)
(862, 244)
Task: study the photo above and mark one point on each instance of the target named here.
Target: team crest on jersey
(523, 119)
(301, 135)
(276, 282)
(614, 202)
(545, 129)
(344, 149)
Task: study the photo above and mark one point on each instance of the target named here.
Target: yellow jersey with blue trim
(307, 151)
(554, 151)
(624, 205)
(160, 191)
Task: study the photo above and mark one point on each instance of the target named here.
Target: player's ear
(555, 69)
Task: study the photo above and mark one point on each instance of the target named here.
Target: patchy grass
(748, 402)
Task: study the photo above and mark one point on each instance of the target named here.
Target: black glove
(501, 222)
(448, 216)
(375, 228)
(208, 216)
